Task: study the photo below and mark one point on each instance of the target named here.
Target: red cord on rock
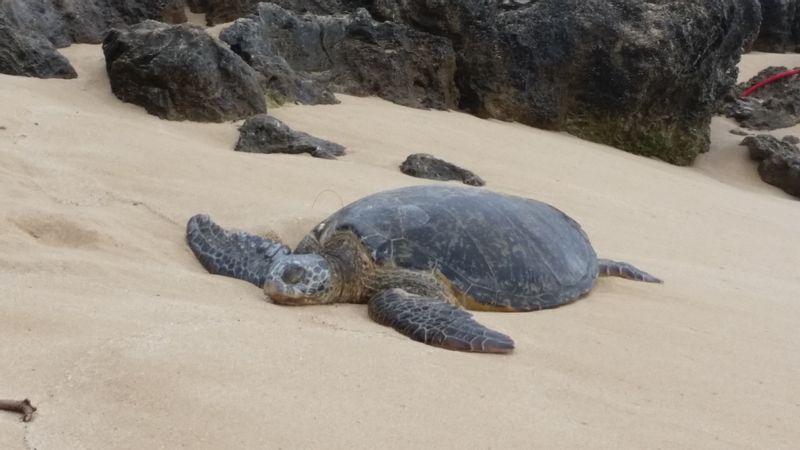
(769, 80)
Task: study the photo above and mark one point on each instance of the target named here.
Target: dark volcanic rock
(36, 18)
(780, 26)
(265, 134)
(791, 139)
(179, 72)
(779, 161)
(84, 21)
(422, 165)
(394, 62)
(281, 83)
(776, 105)
(221, 11)
(31, 55)
(323, 6)
(89, 20)
(644, 76)
(352, 54)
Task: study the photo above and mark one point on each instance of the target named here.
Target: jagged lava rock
(780, 26)
(266, 134)
(36, 18)
(85, 21)
(89, 20)
(779, 161)
(423, 165)
(31, 55)
(644, 76)
(775, 105)
(221, 11)
(353, 54)
(179, 72)
(323, 6)
(281, 83)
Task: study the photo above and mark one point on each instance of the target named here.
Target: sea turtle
(417, 255)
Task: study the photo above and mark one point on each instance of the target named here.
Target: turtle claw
(235, 254)
(436, 322)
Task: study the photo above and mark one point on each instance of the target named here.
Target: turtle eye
(293, 274)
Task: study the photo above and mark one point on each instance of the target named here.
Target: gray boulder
(323, 6)
(179, 72)
(31, 55)
(780, 26)
(352, 53)
(265, 134)
(89, 20)
(776, 105)
(40, 18)
(644, 76)
(779, 161)
(221, 11)
(423, 165)
(281, 83)
(84, 21)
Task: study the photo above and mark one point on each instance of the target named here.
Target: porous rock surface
(31, 55)
(779, 160)
(282, 83)
(179, 72)
(350, 53)
(31, 30)
(63, 22)
(644, 76)
(780, 26)
(266, 134)
(775, 105)
(221, 11)
(423, 165)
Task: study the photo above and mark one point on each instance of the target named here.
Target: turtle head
(299, 280)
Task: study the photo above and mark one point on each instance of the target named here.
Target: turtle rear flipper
(610, 268)
(235, 254)
(435, 322)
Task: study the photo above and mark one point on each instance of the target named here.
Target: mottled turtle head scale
(300, 280)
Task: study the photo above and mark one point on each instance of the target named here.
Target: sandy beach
(124, 341)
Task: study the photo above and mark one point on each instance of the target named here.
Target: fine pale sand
(123, 341)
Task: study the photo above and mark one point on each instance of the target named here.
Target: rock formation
(779, 161)
(423, 165)
(351, 53)
(282, 84)
(265, 134)
(31, 55)
(179, 72)
(780, 26)
(85, 21)
(775, 105)
(221, 11)
(644, 76)
(41, 18)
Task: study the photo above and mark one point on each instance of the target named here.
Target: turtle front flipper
(435, 322)
(235, 254)
(610, 268)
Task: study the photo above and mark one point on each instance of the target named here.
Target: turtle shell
(499, 252)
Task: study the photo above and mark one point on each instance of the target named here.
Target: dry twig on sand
(23, 407)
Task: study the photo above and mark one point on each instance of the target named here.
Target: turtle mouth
(280, 297)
